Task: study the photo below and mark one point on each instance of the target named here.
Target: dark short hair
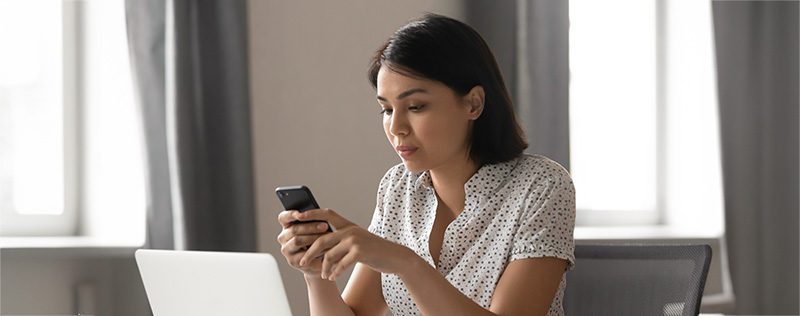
(443, 49)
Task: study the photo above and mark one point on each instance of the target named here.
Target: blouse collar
(483, 183)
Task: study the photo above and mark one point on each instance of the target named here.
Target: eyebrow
(405, 94)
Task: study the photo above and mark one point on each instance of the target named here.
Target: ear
(475, 99)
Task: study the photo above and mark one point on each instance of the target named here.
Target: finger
(284, 236)
(350, 259)
(289, 248)
(312, 268)
(323, 214)
(319, 247)
(298, 244)
(293, 259)
(301, 229)
(304, 242)
(310, 228)
(286, 218)
(331, 259)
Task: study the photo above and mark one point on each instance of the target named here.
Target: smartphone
(298, 197)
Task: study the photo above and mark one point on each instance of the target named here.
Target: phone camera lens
(280, 194)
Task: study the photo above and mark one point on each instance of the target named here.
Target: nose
(398, 125)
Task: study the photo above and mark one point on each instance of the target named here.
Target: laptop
(200, 283)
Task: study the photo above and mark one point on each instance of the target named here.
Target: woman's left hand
(351, 244)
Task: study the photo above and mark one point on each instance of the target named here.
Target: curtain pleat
(542, 92)
(530, 40)
(145, 23)
(190, 64)
(758, 85)
(211, 107)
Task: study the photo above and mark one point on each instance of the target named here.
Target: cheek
(385, 125)
(438, 132)
(450, 130)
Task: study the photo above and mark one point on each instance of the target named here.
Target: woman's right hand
(296, 237)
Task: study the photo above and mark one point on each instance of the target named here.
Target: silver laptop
(201, 283)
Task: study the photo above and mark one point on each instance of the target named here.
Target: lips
(405, 151)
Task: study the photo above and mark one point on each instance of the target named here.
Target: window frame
(105, 200)
(670, 95)
(657, 216)
(67, 222)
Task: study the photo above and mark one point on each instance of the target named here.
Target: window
(612, 107)
(35, 138)
(70, 154)
(643, 122)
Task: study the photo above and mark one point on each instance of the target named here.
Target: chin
(413, 167)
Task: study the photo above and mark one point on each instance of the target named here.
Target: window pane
(613, 104)
(113, 181)
(31, 107)
(692, 144)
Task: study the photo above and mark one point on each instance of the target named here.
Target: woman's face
(426, 122)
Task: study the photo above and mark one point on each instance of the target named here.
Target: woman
(467, 224)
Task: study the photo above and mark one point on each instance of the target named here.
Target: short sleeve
(547, 220)
(376, 224)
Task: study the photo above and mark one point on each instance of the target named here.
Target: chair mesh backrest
(637, 280)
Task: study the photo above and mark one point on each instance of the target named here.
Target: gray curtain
(146, 30)
(530, 40)
(757, 65)
(543, 76)
(190, 66)
(496, 21)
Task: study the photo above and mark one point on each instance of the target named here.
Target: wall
(70, 281)
(315, 117)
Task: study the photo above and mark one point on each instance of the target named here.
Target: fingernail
(302, 262)
(321, 226)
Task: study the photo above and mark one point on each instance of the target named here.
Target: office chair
(637, 280)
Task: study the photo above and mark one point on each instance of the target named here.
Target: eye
(386, 112)
(416, 108)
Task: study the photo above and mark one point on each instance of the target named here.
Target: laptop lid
(202, 283)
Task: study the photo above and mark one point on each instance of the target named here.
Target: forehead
(391, 83)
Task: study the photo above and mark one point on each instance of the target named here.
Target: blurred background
(168, 125)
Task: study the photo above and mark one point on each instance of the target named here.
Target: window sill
(643, 233)
(69, 246)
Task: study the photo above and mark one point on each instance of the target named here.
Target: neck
(449, 183)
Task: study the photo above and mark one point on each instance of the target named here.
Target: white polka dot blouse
(523, 208)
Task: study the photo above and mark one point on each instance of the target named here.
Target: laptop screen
(202, 283)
